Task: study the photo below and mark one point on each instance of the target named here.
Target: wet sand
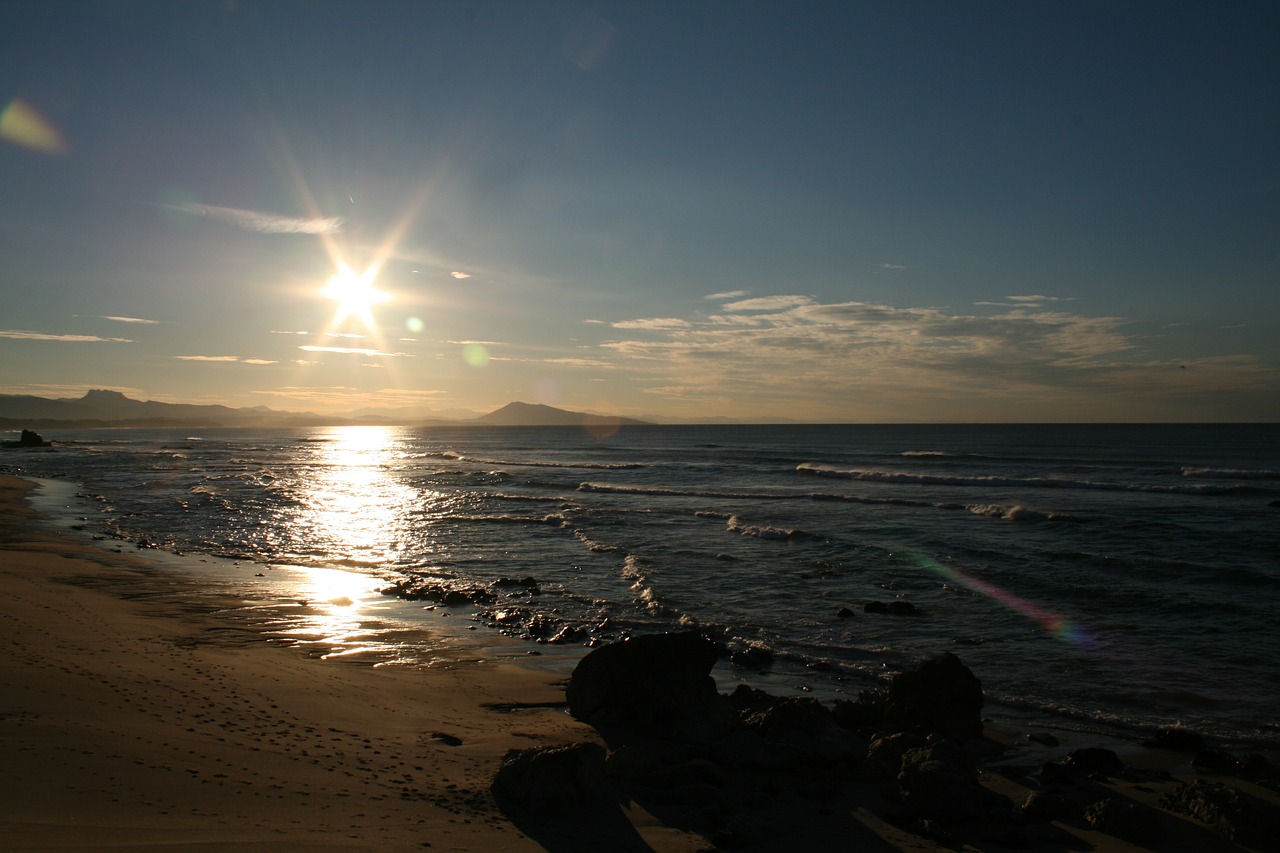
(141, 709)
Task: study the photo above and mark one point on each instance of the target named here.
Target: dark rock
(897, 607)
(938, 783)
(747, 700)
(657, 684)
(523, 583)
(1257, 767)
(1124, 820)
(937, 695)
(752, 657)
(1043, 738)
(790, 732)
(1236, 815)
(1216, 761)
(1181, 740)
(884, 756)
(567, 634)
(550, 781)
(422, 589)
(1053, 775)
(1050, 806)
(861, 714)
(844, 613)
(1094, 761)
(29, 439)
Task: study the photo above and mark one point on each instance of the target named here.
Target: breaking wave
(818, 469)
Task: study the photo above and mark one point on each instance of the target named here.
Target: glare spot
(476, 355)
(22, 124)
(355, 294)
(547, 391)
(415, 325)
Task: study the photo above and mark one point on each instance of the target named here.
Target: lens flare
(476, 355)
(1056, 624)
(22, 124)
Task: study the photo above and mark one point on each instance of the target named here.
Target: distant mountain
(536, 414)
(99, 408)
(111, 408)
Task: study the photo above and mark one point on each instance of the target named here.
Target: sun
(355, 294)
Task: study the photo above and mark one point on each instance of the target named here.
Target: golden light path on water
(353, 511)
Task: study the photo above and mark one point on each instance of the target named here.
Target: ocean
(1110, 578)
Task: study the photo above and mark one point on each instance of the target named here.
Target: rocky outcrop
(29, 438)
(937, 695)
(1231, 812)
(658, 685)
(553, 780)
(939, 781)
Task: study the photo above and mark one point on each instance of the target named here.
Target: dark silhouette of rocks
(658, 684)
(1231, 812)
(752, 770)
(29, 439)
(937, 695)
(892, 608)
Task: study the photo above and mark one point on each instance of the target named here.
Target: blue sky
(877, 211)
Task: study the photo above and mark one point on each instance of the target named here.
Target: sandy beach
(141, 710)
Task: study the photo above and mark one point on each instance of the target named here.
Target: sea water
(1118, 577)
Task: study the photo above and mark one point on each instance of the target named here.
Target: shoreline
(146, 707)
(143, 709)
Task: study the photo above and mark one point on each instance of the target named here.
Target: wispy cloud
(458, 274)
(263, 222)
(43, 336)
(224, 358)
(653, 323)
(1029, 301)
(768, 303)
(793, 353)
(596, 363)
(137, 320)
(892, 267)
(728, 294)
(355, 351)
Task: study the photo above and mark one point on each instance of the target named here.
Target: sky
(819, 211)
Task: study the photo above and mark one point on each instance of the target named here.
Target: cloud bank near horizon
(793, 351)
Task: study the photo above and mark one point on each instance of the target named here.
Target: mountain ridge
(104, 408)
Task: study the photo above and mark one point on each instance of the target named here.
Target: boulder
(1124, 820)
(657, 684)
(1233, 813)
(884, 756)
(938, 783)
(1181, 740)
(553, 781)
(794, 732)
(1094, 761)
(937, 695)
(29, 439)
(894, 608)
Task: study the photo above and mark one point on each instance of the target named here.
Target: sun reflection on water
(354, 511)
